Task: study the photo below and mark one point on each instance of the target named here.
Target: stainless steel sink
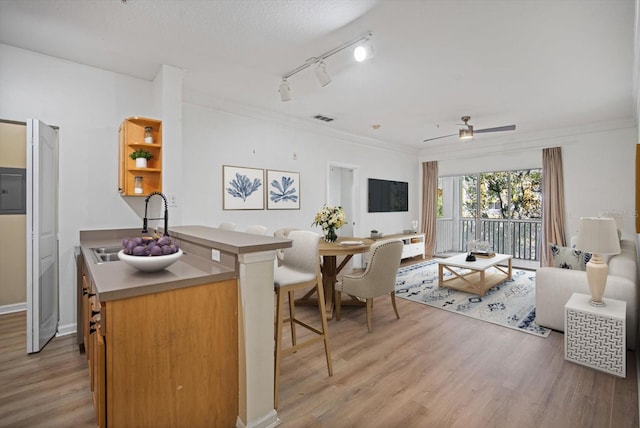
(105, 254)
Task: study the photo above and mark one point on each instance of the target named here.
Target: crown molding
(235, 108)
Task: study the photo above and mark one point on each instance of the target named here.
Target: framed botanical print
(242, 188)
(283, 190)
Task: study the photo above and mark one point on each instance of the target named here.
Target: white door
(343, 190)
(42, 231)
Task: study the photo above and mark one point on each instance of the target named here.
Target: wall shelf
(132, 138)
(146, 169)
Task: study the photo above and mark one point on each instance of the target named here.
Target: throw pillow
(569, 258)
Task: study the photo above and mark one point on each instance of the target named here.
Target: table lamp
(599, 236)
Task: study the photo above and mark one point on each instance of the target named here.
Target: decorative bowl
(150, 263)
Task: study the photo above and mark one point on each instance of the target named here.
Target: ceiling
(539, 64)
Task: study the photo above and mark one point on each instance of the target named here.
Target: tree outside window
(469, 196)
(503, 195)
(440, 199)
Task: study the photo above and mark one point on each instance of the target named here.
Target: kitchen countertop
(117, 280)
(229, 240)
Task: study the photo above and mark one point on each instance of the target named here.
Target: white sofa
(554, 287)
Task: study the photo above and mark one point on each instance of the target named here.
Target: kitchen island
(176, 347)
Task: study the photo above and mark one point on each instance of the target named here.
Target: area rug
(509, 304)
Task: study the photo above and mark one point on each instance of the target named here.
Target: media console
(413, 243)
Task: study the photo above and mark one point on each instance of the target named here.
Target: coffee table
(475, 277)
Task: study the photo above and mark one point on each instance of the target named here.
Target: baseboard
(65, 330)
(14, 307)
(270, 420)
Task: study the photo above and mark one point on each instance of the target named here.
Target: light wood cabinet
(94, 346)
(97, 364)
(164, 359)
(132, 138)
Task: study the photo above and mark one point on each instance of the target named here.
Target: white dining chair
(256, 229)
(378, 279)
(227, 226)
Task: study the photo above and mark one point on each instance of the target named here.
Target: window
(503, 195)
(501, 207)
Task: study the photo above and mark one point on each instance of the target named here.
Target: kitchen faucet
(166, 214)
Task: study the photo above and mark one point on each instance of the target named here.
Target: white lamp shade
(598, 235)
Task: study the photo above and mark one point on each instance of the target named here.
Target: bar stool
(282, 234)
(300, 269)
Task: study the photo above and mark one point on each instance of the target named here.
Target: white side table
(596, 336)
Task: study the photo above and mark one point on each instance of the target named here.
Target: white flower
(330, 216)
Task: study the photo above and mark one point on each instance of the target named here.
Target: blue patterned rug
(509, 304)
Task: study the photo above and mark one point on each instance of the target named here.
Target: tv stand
(413, 243)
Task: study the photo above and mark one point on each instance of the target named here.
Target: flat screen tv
(388, 196)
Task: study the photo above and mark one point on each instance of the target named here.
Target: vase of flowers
(330, 218)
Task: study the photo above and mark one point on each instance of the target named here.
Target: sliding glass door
(503, 208)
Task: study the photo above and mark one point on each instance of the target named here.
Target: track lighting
(363, 51)
(285, 91)
(322, 75)
(360, 53)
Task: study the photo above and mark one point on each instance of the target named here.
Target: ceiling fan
(466, 131)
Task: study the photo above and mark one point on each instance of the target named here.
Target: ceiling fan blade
(497, 129)
(437, 138)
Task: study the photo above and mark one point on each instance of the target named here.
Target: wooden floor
(431, 368)
(48, 389)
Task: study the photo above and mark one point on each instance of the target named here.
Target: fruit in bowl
(149, 246)
(150, 254)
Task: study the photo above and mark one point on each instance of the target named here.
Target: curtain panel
(553, 213)
(429, 205)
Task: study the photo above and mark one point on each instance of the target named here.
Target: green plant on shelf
(141, 154)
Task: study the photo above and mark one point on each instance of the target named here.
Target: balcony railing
(520, 238)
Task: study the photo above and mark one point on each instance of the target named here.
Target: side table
(596, 336)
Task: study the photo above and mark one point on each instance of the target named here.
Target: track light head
(321, 74)
(285, 91)
(363, 51)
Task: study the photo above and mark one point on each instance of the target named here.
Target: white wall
(636, 69)
(88, 104)
(213, 138)
(598, 166)
(601, 178)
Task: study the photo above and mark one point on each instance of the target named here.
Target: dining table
(345, 247)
